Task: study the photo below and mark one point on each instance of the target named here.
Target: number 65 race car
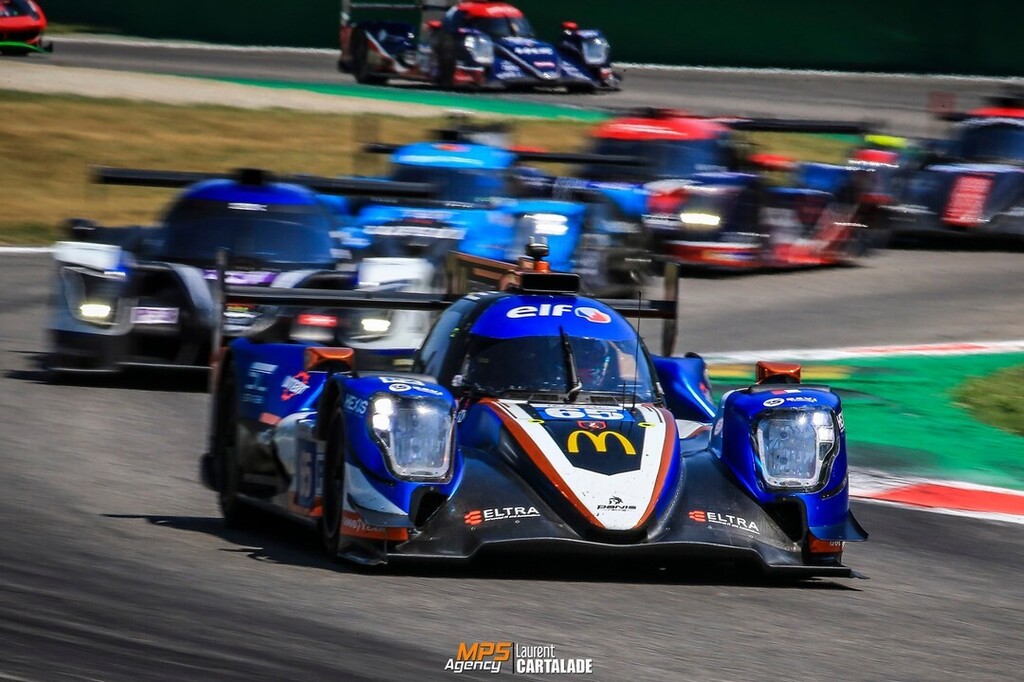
(536, 421)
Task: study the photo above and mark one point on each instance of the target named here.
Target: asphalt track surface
(897, 103)
(115, 564)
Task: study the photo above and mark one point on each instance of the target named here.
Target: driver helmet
(593, 361)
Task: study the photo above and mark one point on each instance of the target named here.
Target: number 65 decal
(598, 413)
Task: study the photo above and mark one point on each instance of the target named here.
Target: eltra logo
(474, 518)
(593, 315)
(698, 516)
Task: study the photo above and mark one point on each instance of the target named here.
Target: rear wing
(465, 274)
(373, 187)
(808, 126)
(575, 158)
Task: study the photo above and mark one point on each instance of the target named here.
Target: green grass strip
(997, 399)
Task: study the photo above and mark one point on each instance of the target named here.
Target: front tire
(333, 490)
(236, 511)
(361, 61)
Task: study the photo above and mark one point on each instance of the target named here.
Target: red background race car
(22, 24)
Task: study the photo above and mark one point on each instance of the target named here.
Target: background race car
(538, 422)
(475, 44)
(483, 208)
(702, 198)
(146, 295)
(22, 25)
(970, 184)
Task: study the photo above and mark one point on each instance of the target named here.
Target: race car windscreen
(993, 143)
(15, 8)
(665, 159)
(502, 27)
(537, 364)
(195, 230)
(460, 185)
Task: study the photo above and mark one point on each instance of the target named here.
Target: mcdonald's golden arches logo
(600, 441)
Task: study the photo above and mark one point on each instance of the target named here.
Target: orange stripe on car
(540, 461)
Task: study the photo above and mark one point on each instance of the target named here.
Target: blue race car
(470, 44)
(535, 421)
(969, 185)
(480, 209)
(144, 295)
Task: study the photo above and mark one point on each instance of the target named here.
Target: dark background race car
(702, 199)
(478, 44)
(970, 184)
(22, 25)
(144, 295)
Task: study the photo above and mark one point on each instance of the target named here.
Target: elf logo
(558, 310)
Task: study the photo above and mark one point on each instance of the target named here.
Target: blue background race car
(476, 212)
(971, 184)
(537, 421)
(474, 44)
(144, 295)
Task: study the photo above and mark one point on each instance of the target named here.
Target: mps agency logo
(523, 659)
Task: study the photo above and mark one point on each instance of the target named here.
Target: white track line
(26, 249)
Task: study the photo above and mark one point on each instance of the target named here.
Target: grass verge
(996, 399)
(49, 141)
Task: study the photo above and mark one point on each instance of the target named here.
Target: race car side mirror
(328, 359)
(777, 372)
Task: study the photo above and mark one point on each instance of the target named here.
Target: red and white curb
(945, 497)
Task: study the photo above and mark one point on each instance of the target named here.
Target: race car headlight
(795, 448)
(480, 48)
(697, 219)
(92, 295)
(415, 435)
(595, 51)
(544, 224)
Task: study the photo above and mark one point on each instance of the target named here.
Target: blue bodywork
(473, 213)
(519, 450)
(156, 283)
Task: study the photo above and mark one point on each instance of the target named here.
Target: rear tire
(236, 511)
(333, 489)
(361, 61)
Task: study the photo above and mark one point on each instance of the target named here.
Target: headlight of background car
(540, 225)
(92, 295)
(795, 448)
(480, 48)
(595, 51)
(415, 435)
